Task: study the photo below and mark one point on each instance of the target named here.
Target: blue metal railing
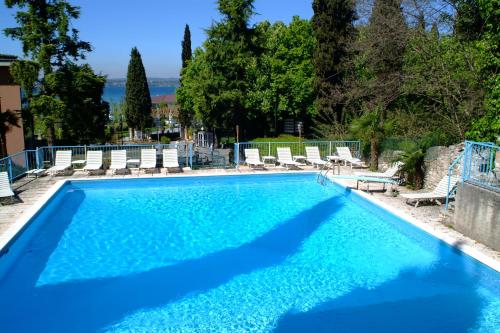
(482, 164)
(451, 170)
(18, 164)
(326, 148)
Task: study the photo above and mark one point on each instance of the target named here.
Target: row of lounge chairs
(94, 160)
(253, 160)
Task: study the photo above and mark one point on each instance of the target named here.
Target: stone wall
(437, 160)
(477, 214)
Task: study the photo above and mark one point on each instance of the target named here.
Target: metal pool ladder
(322, 177)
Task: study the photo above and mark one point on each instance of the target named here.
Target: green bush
(165, 140)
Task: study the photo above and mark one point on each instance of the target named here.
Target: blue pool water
(272, 253)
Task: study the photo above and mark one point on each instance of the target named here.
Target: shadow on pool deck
(91, 305)
(441, 300)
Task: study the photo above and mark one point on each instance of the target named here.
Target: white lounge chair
(389, 173)
(5, 188)
(285, 157)
(314, 157)
(170, 158)
(439, 193)
(94, 160)
(344, 154)
(252, 158)
(148, 159)
(63, 162)
(118, 161)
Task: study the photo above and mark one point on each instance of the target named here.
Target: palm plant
(7, 120)
(413, 167)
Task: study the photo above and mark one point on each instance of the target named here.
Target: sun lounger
(252, 158)
(94, 160)
(344, 154)
(63, 162)
(170, 158)
(366, 179)
(118, 161)
(439, 193)
(5, 188)
(285, 157)
(389, 173)
(314, 157)
(148, 159)
(35, 173)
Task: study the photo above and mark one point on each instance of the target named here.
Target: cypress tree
(137, 96)
(185, 114)
(334, 31)
(186, 47)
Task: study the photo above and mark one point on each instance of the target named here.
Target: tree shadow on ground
(91, 305)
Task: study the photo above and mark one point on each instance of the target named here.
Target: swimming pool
(254, 253)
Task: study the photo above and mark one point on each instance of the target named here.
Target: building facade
(10, 99)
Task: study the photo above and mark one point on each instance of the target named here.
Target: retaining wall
(477, 214)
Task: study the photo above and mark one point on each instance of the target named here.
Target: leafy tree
(487, 128)
(185, 112)
(442, 74)
(283, 86)
(80, 89)
(333, 27)
(137, 96)
(8, 119)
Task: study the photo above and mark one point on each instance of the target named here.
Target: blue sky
(156, 27)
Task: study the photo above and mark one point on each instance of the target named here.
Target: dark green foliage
(185, 111)
(333, 27)
(86, 115)
(137, 95)
(230, 47)
(385, 47)
(187, 53)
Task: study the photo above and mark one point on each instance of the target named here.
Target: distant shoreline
(152, 82)
(116, 93)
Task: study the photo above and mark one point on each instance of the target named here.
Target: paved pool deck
(431, 218)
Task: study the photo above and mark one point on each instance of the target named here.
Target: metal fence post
(237, 154)
(9, 168)
(37, 158)
(191, 155)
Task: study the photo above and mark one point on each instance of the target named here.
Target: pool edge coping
(23, 221)
(448, 239)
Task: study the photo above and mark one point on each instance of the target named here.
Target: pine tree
(185, 112)
(334, 31)
(230, 48)
(137, 95)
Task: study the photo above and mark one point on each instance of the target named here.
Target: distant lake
(115, 94)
